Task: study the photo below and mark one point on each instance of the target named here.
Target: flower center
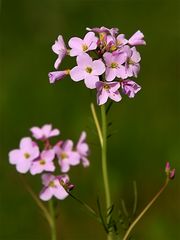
(106, 87)
(114, 65)
(63, 155)
(51, 184)
(27, 155)
(84, 47)
(130, 61)
(89, 70)
(42, 162)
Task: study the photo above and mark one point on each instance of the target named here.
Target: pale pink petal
(77, 74)
(76, 43)
(75, 52)
(54, 132)
(115, 96)
(23, 165)
(46, 194)
(85, 162)
(26, 143)
(15, 156)
(36, 132)
(110, 74)
(64, 164)
(90, 81)
(46, 129)
(114, 86)
(102, 97)
(98, 67)
(137, 39)
(74, 158)
(121, 72)
(84, 60)
(107, 57)
(60, 193)
(68, 145)
(135, 55)
(90, 40)
(46, 178)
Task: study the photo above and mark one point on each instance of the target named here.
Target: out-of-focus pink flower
(88, 70)
(44, 162)
(54, 186)
(107, 90)
(137, 39)
(23, 157)
(60, 49)
(170, 172)
(44, 132)
(111, 31)
(130, 87)
(57, 75)
(66, 155)
(83, 149)
(114, 66)
(80, 46)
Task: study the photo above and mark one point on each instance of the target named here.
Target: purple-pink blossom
(54, 186)
(137, 39)
(82, 149)
(57, 75)
(107, 90)
(111, 31)
(130, 88)
(80, 46)
(60, 49)
(87, 70)
(44, 132)
(44, 162)
(24, 156)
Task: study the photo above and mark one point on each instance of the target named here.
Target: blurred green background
(146, 128)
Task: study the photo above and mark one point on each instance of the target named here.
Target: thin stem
(104, 163)
(53, 218)
(145, 209)
(97, 123)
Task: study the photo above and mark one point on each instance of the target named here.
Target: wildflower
(23, 157)
(83, 149)
(107, 90)
(130, 87)
(88, 70)
(137, 39)
(53, 186)
(66, 155)
(114, 65)
(60, 49)
(57, 75)
(111, 31)
(80, 46)
(44, 132)
(170, 172)
(44, 162)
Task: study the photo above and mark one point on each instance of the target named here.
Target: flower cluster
(105, 61)
(62, 155)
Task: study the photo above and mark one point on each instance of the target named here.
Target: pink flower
(107, 90)
(170, 172)
(80, 46)
(88, 70)
(111, 31)
(137, 39)
(83, 149)
(23, 157)
(44, 162)
(60, 49)
(114, 65)
(132, 66)
(44, 132)
(130, 88)
(66, 156)
(57, 75)
(54, 186)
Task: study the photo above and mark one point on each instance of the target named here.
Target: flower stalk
(53, 220)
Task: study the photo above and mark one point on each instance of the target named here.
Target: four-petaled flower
(54, 186)
(23, 157)
(60, 49)
(80, 46)
(88, 70)
(107, 90)
(44, 162)
(130, 88)
(44, 132)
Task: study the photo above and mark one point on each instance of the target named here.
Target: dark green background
(147, 127)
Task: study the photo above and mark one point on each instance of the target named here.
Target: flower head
(107, 90)
(44, 132)
(44, 162)
(60, 49)
(137, 39)
(57, 75)
(80, 46)
(82, 149)
(88, 70)
(54, 186)
(130, 88)
(23, 157)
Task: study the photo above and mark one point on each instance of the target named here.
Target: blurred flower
(107, 90)
(169, 172)
(88, 70)
(83, 149)
(57, 75)
(66, 155)
(80, 46)
(111, 31)
(44, 162)
(23, 157)
(60, 49)
(137, 39)
(53, 186)
(44, 132)
(130, 87)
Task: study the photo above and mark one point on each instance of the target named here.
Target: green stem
(53, 226)
(104, 163)
(145, 210)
